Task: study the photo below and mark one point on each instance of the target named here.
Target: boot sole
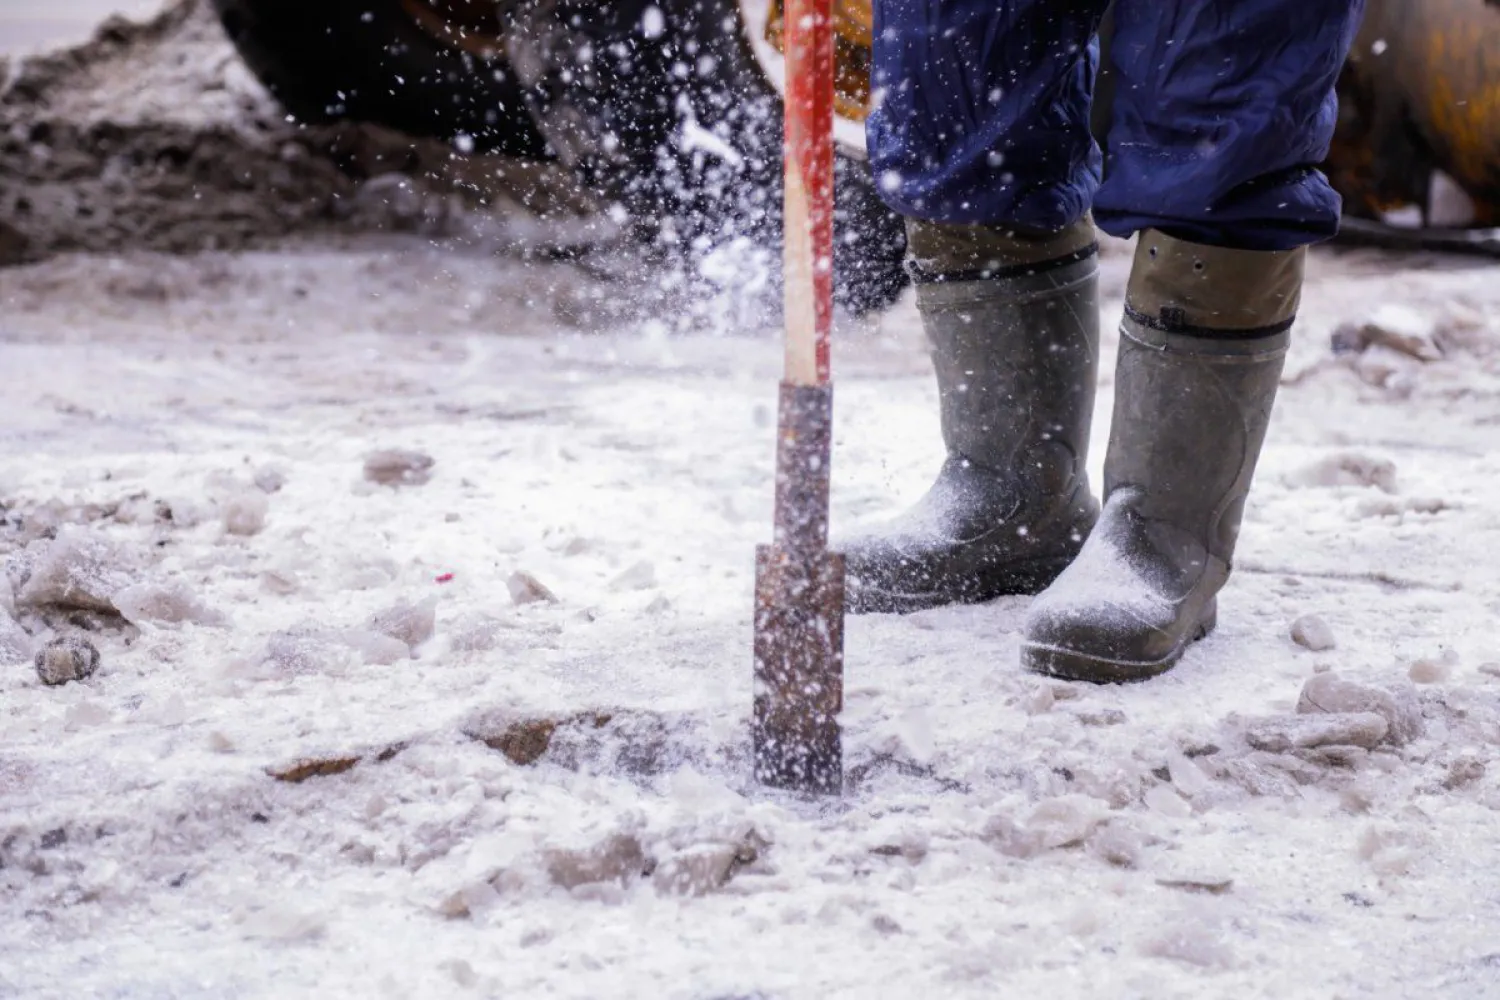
(1072, 665)
(1020, 579)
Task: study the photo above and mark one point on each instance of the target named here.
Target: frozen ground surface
(146, 851)
(549, 797)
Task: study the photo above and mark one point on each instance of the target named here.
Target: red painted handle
(808, 216)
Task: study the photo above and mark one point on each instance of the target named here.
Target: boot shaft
(1202, 347)
(1012, 320)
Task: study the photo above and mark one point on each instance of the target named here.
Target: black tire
(369, 61)
(610, 86)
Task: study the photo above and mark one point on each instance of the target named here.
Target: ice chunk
(476, 634)
(1347, 468)
(412, 624)
(80, 568)
(1312, 632)
(245, 513)
(269, 479)
(1038, 699)
(1193, 940)
(700, 870)
(1279, 734)
(306, 649)
(618, 858)
(913, 732)
(1330, 693)
(165, 604)
(373, 647)
(1067, 820)
(639, 576)
(1393, 327)
(1119, 843)
(15, 644)
(84, 715)
(1167, 802)
(397, 467)
(1430, 670)
(1064, 821)
(1187, 777)
(527, 589)
(1389, 849)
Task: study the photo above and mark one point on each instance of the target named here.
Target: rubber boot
(1201, 350)
(1013, 324)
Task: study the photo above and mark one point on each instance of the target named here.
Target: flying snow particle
(653, 23)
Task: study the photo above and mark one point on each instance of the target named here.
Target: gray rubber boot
(1013, 323)
(1201, 351)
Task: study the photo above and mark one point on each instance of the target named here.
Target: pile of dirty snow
(155, 136)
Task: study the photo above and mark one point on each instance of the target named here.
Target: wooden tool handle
(808, 213)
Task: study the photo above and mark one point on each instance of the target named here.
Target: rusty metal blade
(799, 669)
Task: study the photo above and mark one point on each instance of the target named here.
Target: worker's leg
(1222, 109)
(982, 110)
(981, 140)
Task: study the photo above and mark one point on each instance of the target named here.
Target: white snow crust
(1002, 835)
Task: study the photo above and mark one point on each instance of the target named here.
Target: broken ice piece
(1167, 802)
(1215, 885)
(1191, 940)
(269, 479)
(702, 869)
(638, 577)
(245, 513)
(412, 624)
(15, 643)
(619, 859)
(1039, 699)
(1348, 468)
(374, 647)
(476, 634)
(1430, 670)
(1118, 843)
(172, 603)
(79, 568)
(70, 658)
(1278, 734)
(398, 467)
(1397, 328)
(1330, 693)
(527, 589)
(1312, 632)
(1187, 777)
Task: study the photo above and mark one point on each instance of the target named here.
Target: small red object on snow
(444, 578)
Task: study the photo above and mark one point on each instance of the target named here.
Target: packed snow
(420, 626)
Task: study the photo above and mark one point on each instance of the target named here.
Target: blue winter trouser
(1222, 110)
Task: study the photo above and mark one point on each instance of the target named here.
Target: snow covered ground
(1000, 833)
(279, 784)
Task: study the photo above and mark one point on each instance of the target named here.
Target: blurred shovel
(799, 584)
